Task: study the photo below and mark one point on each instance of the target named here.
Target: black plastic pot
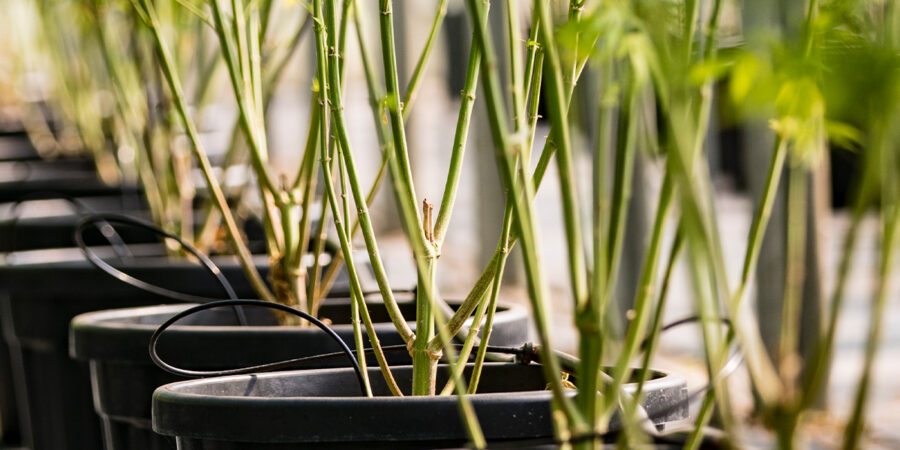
(38, 299)
(35, 233)
(323, 409)
(23, 178)
(16, 147)
(46, 224)
(123, 377)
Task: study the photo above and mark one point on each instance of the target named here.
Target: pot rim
(96, 325)
(176, 391)
(519, 413)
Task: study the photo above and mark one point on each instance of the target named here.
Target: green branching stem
(424, 57)
(522, 209)
(327, 82)
(459, 146)
(176, 90)
(424, 364)
(557, 107)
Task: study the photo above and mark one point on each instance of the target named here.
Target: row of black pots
(113, 375)
(122, 377)
(37, 302)
(24, 176)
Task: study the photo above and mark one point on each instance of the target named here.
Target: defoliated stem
(522, 210)
(174, 83)
(325, 92)
(411, 88)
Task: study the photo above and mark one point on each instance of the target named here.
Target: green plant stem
(483, 284)
(459, 146)
(249, 117)
(642, 302)
(480, 356)
(890, 221)
(761, 220)
(695, 439)
(333, 92)
(380, 132)
(327, 83)
(275, 70)
(422, 63)
(536, 72)
(557, 107)
(174, 84)
(354, 303)
(523, 212)
(820, 365)
(516, 71)
(789, 358)
(589, 319)
(653, 339)
(466, 411)
(484, 307)
(423, 249)
(754, 241)
(626, 152)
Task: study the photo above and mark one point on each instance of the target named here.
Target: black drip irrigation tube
(526, 354)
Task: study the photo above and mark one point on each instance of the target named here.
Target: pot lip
(71, 258)
(110, 319)
(174, 392)
(173, 408)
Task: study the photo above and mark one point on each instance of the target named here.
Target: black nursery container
(324, 409)
(123, 377)
(41, 292)
(21, 178)
(40, 224)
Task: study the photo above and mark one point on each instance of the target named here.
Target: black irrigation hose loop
(81, 208)
(128, 279)
(154, 339)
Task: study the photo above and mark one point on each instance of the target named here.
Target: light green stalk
(424, 361)
(422, 63)
(329, 86)
(522, 210)
(889, 221)
(145, 8)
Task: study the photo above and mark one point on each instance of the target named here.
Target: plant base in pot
(324, 409)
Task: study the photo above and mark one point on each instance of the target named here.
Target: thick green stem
(401, 172)
(557, 107)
